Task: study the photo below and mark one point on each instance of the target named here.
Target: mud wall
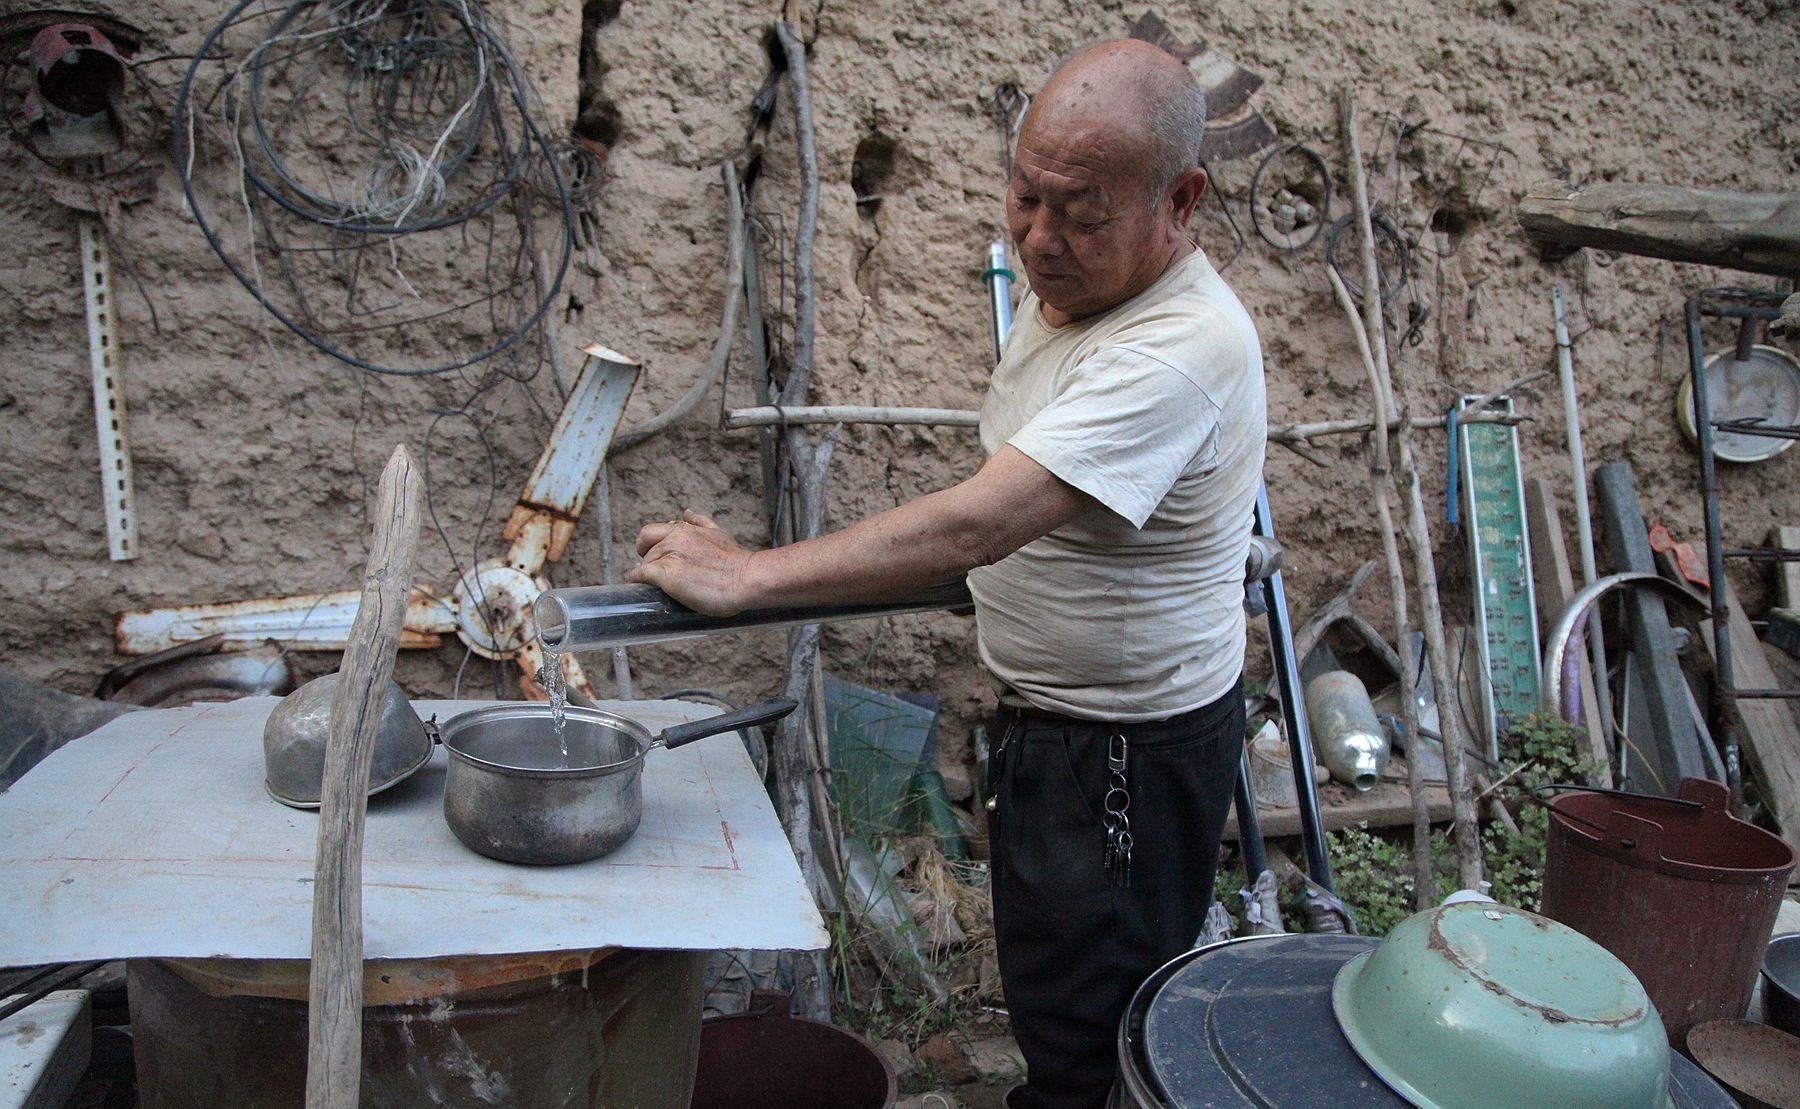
(255, 455)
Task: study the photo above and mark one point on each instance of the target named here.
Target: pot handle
(765, 713)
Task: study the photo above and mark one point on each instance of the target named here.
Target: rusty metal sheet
(311, 622)
(1234, 129)
(564, 473)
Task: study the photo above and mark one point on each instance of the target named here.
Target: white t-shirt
(1134, 611)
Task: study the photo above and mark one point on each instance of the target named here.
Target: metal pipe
(999, 279)
(1724, 698)
(1584, 534)
(597, 617)
(1250, 840)
(1557, 643)
(1293, 707)
(771, 415)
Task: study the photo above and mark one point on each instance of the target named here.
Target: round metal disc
(1250, 1023)
(493, 604)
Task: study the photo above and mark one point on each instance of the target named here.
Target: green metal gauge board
(1500, 563)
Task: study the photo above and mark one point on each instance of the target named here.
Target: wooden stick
(1380, 480)
(334, 991)
(770, 415)
(1468, 839)
(808, 464)
(1287, 433)
(806, 227)
(1758, 232)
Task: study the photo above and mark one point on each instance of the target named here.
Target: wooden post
(334, 989)
(1758, 232)
(808, 464)
(1380, 478)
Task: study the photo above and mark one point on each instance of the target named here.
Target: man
(1104, 540)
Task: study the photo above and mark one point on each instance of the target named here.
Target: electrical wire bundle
(389, 172)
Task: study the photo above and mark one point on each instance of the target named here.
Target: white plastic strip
(109, 393)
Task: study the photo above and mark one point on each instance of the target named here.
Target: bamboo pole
(1462, 799)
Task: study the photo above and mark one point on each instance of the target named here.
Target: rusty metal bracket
(489, 607)
(543, 521)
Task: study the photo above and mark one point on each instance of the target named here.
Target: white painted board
(153, 836)
(44, 1049)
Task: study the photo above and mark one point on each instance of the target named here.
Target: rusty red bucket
(1681, 891)
(767, 1058)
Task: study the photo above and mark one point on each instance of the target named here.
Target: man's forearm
(905, 549)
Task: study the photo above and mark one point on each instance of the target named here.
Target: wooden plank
(1555, 585)
(44, 1051)
(1787, 574)
(1388, 805)
(1673, 742)
(1757, 232)
(1770, 737)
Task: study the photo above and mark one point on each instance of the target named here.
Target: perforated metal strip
(109, 393)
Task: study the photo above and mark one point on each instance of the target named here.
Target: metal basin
(512, 794)
(1781, 983)
(295, 736)
(1467, 1000)
(1761, 1065)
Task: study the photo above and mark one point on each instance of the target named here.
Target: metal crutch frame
(1750, 307)
(1293, 712)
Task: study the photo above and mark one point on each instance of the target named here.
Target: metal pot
(296, 733)
(512, 795)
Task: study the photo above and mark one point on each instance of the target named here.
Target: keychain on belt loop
(1118, 805)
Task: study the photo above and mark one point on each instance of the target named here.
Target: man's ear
(1184, 193)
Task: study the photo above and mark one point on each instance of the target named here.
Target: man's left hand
(695, 561)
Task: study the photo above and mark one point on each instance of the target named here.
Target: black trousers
(1074, 943)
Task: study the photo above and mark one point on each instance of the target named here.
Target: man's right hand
(695, 561)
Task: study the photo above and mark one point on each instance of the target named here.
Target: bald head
(1105, 177)
(1136, 92)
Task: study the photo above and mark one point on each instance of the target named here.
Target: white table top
(153, 836)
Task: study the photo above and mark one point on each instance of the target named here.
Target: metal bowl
(1465, 1001)
(1781, 982)
(294, 743)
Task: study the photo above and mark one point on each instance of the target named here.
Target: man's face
(1089, 235)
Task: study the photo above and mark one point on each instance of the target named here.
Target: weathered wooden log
(334, 990)
(1757, 232)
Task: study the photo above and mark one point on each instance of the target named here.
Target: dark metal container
(1781, 983)
(602, 1029)
(1680, 890)
(766, 1058)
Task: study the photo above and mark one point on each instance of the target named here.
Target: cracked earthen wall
(255, 456)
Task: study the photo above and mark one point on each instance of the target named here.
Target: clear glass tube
(595, 617)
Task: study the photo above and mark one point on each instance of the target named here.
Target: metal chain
(1118, 807)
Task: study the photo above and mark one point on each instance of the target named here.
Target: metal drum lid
(1249, 1023)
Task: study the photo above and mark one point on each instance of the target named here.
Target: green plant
(1373, 869)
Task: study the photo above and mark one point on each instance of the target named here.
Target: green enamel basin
(1480, 1005)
